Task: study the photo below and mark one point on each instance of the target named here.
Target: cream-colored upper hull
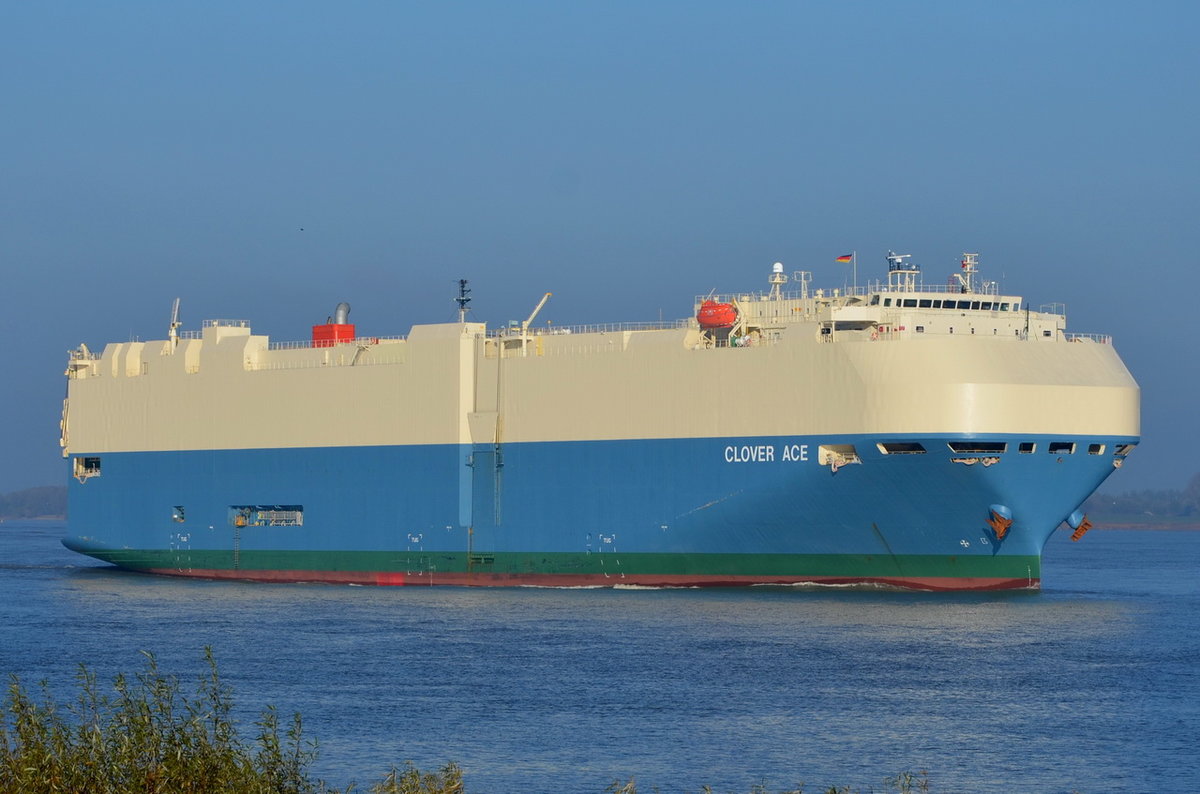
(449, 384)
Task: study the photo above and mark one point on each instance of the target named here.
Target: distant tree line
(46, 500)
(1149, 506)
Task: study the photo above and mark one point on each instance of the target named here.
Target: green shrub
(145, 738)
(148, 738)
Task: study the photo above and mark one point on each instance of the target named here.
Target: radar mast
(777, 280)
(902, 275)
(463, 299)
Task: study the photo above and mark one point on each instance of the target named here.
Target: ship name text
(765, 453)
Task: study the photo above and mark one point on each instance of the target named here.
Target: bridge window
(910, 303)
(986, 306)
(887, 301)
(925, 303)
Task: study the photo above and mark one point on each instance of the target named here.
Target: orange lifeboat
(716, 315)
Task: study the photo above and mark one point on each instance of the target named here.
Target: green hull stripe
(567, 564)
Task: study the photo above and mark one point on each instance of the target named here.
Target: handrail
(308, 344)
(597, 328)
(835, 293)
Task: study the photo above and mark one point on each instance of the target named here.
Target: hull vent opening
(266, 515)
(987, 447)
(86, 468)
(900, 448)
(836, 456)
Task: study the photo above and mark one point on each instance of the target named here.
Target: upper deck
(901, 308)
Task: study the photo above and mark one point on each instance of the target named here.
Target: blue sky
(623, 155)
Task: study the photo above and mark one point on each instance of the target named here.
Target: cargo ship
(904, 434)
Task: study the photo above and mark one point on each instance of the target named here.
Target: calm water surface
(1090, 685)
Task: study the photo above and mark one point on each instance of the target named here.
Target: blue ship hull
(658, 512)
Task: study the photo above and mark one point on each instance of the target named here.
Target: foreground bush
(149, 738)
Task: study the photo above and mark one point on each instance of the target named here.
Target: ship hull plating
(665, 512)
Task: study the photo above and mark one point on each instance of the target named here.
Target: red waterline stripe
(479, 579)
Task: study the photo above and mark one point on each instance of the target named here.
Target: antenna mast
(462, 300)
(970, 267)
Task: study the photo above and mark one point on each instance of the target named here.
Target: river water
(1090, 685)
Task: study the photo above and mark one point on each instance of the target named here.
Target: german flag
(845, 258)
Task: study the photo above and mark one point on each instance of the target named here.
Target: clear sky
(267, 160)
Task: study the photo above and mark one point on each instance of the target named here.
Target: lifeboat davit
(716, 315)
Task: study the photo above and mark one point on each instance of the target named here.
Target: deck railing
(597, 328)
(307, 344)
(1102, 339)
